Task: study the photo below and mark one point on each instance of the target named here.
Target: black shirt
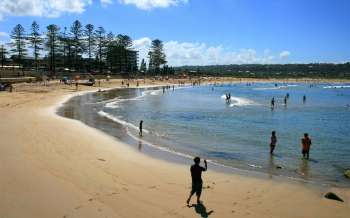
(196, 173)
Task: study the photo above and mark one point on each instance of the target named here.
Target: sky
(205, 32)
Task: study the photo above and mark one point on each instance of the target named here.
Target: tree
(111, 43)
(143, 67)
(125, 44)
(51, 44)
(100, 37)
(3, 53)
(19, 43)
(89, 33)
(36, 41)
(156, 55)
(77, 36)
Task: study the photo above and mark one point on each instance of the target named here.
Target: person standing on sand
(140, 127)
(306, 144)
(197, 182)
(273, 142)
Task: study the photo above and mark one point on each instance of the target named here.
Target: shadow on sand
(201, 210)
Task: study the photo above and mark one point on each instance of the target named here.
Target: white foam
(276, 88)
(337, 87)
(122, 122)
(240, 101)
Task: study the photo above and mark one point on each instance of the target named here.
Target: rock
(347, 174)
(332, 196)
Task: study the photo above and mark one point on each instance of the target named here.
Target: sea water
(198, 121)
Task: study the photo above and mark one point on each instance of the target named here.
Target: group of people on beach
(305, 144)
(168, 88)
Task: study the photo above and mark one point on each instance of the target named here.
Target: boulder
(347, 174)
(332, 196)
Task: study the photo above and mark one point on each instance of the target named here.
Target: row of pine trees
(79, 49)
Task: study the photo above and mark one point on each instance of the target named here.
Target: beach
(52, 166)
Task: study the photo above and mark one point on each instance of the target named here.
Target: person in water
(273, 142)
(273, 102)
(285, 101)
(197, 182)
(140, 127)
(306, 144)
(304, 98)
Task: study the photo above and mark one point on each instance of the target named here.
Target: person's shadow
(201, 210)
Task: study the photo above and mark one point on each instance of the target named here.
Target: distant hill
(313, 70)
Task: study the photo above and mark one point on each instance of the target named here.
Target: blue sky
(206, 31)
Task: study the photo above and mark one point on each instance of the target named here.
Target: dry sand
(55, 167)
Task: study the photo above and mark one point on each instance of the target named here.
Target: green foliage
(35, 41)
(52, 44)
(156, 56)
(19, 43)
(312, 70)
(143, 67)
(89, 33)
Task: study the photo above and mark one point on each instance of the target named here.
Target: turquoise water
(198, 121)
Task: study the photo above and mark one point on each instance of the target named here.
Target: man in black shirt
(196, 174)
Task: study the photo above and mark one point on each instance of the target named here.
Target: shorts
(196, 188)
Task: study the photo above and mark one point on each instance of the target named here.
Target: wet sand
(56, 167)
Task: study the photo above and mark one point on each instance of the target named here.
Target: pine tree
(89, 33)
(143, 66)
(125, 44)
(110, 43)
(3, 54)
(77, 42)
(156, 55)
(19, 43)
(100, 37)
(36, 42)
(52, 44)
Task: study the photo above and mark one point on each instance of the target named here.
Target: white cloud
(4, 35)
(44, 8)
(284, 54)
(106, 2)
(186, 53)
(149, 4)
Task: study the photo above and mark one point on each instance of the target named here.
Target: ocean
(197, 121)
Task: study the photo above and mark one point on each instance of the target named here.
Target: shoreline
(56, 167)
(160, 152)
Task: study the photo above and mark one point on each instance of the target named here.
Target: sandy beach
(56, 167)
